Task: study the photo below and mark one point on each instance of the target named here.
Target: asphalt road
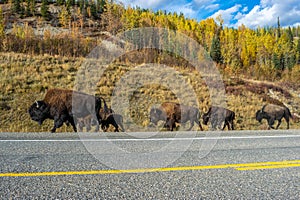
(178, 165)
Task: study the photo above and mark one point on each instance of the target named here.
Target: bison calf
(108, 117)
(217, 116)
(116, 120)
(272, 112)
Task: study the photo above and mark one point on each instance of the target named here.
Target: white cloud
(264, 14)
(186, 9)
(228, 14)
(151, 4)
(212, 7)
(245, 9)
(267, 12)
(204, 2)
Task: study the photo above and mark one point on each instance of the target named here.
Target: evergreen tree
(278, 29)
(17, 6)
(93, 10)
(82, 5)
(281, 62)
(291, 61)
(276, 61)
(290, 54)
(28, 8)
(298, 52)
(44, 9)
(215, 50)
(101, 6)
(69, 4)
(60, 2)
(290, 38)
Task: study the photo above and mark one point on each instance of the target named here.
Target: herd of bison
(84, 110)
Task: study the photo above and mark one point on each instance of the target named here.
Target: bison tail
(233, 116)
(105, 107)
(289, 113)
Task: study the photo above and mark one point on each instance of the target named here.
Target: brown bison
(65, 106)
(172, 113)
(272, 112)
(218, 115)
(108, 117)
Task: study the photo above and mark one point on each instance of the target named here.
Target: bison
(217, 115)
(172, 113)
(86, 122)
(65, 106)
(108, 117)
(114, 119)
(272, 112)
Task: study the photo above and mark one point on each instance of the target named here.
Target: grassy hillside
(27, 78)
(39, 51)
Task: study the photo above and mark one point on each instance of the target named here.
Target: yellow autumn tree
(64, 17)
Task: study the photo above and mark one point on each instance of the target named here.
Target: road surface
(178, 165)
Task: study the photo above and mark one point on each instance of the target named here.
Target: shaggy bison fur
(65, 106)
(272, 112)
(218, 115)
(172, 113)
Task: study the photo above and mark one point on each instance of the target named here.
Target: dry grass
(26, 78)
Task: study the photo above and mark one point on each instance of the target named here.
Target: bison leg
(199, 124)
(58, 122)
(117, 128)
(229, 125)
(121, 125)
(87, 124)
(279, 122)
(80, 126)
(287, 119)
(232, 125)
(170, 124)
(88, 127)
(97, 125)
(114, 123)
(104, 126)
(191, 125)
(71, 120)
(271, 123)
(224, 126)
(213, 124)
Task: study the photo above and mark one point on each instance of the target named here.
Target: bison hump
(272, 108)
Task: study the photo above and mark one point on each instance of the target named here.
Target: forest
(264, 52)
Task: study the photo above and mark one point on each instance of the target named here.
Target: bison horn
(37, 103)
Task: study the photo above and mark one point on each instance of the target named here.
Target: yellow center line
(269, 167)
(240, 166)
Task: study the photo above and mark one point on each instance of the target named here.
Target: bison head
(155, 115)
(259, 115)
(38, 111)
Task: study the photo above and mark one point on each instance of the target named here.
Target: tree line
(259, 50)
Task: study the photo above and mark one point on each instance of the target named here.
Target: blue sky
(252, 13)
